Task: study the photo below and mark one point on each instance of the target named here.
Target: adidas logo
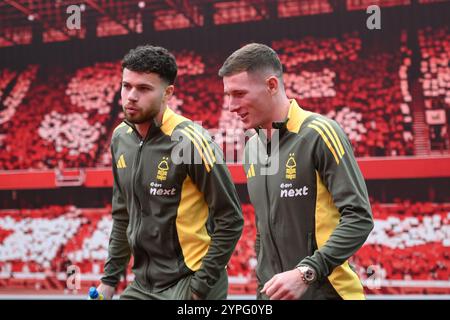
(121, 163)
(251, 171)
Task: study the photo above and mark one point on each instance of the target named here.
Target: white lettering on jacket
(288, 191)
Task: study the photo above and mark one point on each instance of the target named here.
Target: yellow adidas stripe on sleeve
(329, 135)
(327, 142)
(188, 135)
(205, 146)
(208, 147)
(335, 136)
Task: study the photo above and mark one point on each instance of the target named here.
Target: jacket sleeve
(118, 251)
(225, 220)
(339, 171)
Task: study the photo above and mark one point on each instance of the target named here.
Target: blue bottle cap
(93, 293)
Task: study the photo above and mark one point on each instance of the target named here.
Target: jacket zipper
(138, 233)
(269, 216)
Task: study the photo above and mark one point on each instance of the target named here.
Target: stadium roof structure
(21, 20)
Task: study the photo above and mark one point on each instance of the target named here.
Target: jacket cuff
(200, 288)
(110, 282)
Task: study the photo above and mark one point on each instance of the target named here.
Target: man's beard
(140, 117)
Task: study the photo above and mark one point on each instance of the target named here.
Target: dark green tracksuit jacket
(177, 216)
(314, 210)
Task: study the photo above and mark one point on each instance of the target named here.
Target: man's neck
(280, 113)
(143, 128)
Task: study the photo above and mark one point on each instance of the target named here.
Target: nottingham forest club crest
(163, 168)
(291, 167)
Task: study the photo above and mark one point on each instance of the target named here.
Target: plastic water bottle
(94, 294)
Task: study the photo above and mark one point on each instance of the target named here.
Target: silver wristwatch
(308, 274)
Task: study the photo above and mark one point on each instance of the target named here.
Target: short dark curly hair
(152, 59)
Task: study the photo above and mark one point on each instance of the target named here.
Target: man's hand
(195, 296)
(106, 291)
(285, 286)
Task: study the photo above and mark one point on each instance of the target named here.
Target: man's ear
(273, 84)
(169, 92)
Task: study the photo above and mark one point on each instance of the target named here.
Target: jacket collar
(292, 122)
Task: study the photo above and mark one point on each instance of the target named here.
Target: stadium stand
(435, 78)
(333, 77)
(366, 93)
(409, 243)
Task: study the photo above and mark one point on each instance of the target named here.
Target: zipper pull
(141, 143)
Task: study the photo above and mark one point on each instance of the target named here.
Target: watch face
(309, 275)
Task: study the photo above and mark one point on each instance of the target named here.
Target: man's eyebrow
(142, 84)
(238, 91)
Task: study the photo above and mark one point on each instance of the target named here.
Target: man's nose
(132, 96)
(233, 106)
